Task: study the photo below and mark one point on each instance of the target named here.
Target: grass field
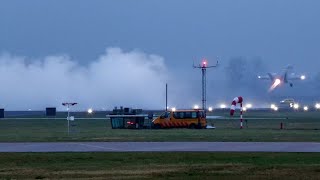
(159, 165)
(260, 126)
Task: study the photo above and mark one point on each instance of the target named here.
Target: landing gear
(291, 84)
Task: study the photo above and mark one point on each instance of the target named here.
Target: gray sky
(278, 32)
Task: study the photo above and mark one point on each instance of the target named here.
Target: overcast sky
(169, 33)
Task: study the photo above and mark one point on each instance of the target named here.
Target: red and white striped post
(241, 116)
(233, 107)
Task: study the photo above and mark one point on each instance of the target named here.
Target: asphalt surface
(161, 147)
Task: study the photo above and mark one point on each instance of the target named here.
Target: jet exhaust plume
(275, 84)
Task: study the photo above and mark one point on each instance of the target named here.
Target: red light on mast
(204, 63)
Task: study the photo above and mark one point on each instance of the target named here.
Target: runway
(161, 147)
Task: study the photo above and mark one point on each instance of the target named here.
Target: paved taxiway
(161, 147)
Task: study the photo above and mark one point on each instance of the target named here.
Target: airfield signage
(69, 118)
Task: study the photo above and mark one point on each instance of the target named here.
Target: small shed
(127, 118)
(1, 113)
(51, 111)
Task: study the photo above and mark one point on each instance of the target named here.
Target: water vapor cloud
(115, 78)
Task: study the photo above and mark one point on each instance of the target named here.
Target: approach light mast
(204, 66)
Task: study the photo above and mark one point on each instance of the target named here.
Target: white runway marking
(95, 146)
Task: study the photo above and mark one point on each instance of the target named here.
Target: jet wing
(294, 76)
(269, 76)
(264, 77)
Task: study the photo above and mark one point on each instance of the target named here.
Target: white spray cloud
(132, 79)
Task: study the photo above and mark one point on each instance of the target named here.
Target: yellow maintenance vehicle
(194, 118)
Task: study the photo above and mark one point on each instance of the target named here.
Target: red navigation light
(204, 63)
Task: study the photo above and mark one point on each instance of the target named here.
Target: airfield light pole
(204, 66)
(68, 104)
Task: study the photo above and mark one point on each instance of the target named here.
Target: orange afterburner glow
(275, 84)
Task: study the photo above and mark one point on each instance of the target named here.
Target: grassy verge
(97, 130)
(160, 165)
(299, 126)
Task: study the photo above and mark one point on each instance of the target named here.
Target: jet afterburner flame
(276, 83)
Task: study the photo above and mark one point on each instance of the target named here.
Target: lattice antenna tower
(204, 66)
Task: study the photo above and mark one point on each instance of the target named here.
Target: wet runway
(161, 147)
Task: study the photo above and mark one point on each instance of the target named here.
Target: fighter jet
(283, 78)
